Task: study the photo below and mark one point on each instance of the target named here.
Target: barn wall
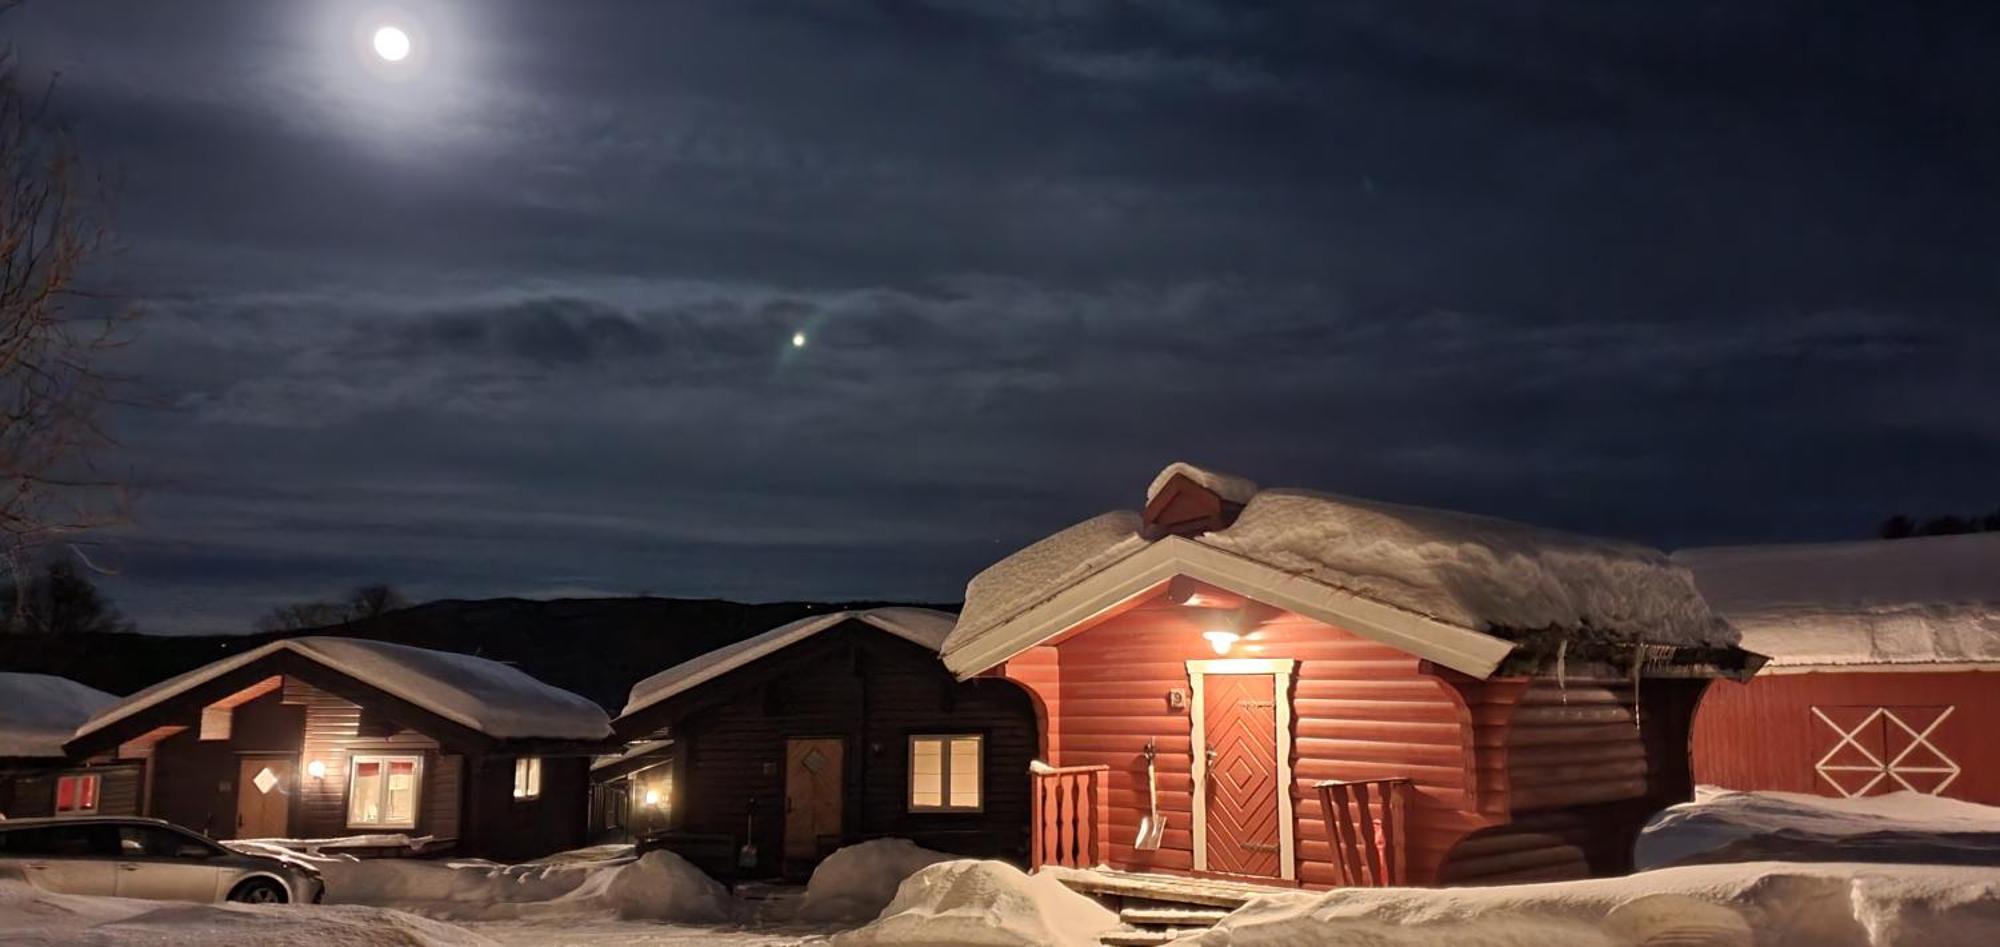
(1361, 710)
(1764, 735)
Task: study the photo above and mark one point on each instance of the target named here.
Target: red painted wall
(1764, 734)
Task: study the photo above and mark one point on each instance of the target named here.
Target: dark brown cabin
(326, 737)
(38, 712)
(817, 734)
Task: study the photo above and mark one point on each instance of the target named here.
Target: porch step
(1148, 937)
(1171, 916)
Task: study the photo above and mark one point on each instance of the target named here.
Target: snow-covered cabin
(318, 737)
(37, 713)
(818, 733)
(1881, 676)
(1484, 699)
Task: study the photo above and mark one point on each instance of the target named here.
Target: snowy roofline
(1474, 573)
(38, 712)
(482, 695)
(921, 626)
(1925, 602)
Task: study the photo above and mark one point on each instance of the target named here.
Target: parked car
(146, 858)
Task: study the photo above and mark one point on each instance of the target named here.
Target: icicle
(1638, 664)
(1562, 669)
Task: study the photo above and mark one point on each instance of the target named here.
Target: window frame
(533, 767)
(354, 762)
(945, 741)
(96, 794)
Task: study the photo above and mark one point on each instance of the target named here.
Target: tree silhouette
(59, 600)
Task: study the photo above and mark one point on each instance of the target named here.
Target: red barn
(1882, 666)
(1285, 687)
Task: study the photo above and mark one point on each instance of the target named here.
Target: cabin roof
(1432, 582)
(1926, 601)
(921, 626)
(38, 712)
(485, 696)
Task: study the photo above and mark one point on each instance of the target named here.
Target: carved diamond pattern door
(1240, 721)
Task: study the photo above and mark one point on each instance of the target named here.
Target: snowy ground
(1898, 828)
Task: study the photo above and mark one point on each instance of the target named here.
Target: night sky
(516, 316)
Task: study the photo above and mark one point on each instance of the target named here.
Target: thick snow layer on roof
(922, 626)
(39, 712)
(483, 695)
(1907, 827)
(1928, 600)
(1476, 572)
(1045, 567)
(1230, 487)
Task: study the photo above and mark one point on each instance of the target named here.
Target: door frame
(291, 790)
(785, 777)
(1281, 671)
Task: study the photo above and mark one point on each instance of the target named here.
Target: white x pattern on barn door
(1895, 767)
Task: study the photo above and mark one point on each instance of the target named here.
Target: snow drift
(1763, 904)
(40, 712)
(857, 882)
(30, 917)
(1903, 827)
(983, 904)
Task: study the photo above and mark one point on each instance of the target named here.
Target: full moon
(392, 44)
(798, 340)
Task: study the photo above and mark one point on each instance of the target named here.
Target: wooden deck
(1173, 889)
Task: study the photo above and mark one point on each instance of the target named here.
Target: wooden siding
(1361, 710)
(502, 827)
(1763, 735)
(332, 732)
(872, 690)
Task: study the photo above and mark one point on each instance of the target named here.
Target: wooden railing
(1367, 822)
(1072, 816)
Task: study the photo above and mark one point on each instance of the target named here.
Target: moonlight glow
(392, 44)
(798, 340)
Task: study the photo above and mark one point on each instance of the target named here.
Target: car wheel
(259, 891)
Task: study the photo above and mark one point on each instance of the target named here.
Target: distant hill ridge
(596, 647)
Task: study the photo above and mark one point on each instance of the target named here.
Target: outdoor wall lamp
(652, 797)
(316, 769)
(1220, 640)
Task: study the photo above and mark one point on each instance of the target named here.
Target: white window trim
(1280, 670)
(96, 794)
(416, 787)
(534, 790)
(944, 763)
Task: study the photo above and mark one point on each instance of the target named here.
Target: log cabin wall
(333, 730)
(873, 691)
(30, 792)
(1765, 734)
(501, 827)
(1360, 710)
(193, 781)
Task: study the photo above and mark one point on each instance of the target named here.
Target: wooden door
(264, 796)
(812, 793)
(1240, 726)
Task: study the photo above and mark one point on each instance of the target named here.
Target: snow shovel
(1153, 827)
(746, 857)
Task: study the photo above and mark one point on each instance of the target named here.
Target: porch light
(316, 769)
(1221, 641)
(652, 797)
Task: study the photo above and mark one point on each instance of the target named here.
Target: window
(528, 777)
(76, 794)
(149, 841)
(382, 791)
(944, 773)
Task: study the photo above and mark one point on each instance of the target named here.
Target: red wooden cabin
(1520, 698)
(1883, 668)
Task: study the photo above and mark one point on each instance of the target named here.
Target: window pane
(926, 773)
(66, 794)
(364, 795)
(402, 804)
(89, 793)
(527, 777)
(965, 772)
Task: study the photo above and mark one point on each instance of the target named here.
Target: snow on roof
(1476, 572)
(1927, 600)
(922, 626)
(38, 712)
(1227, 486)
(492, 698)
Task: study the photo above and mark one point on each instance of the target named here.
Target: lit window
(76, 794)
(944, 773)
(382, 791)
(528, 777)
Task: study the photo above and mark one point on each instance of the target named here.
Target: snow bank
(1928, 600)
(1765, 904)
(983, 904)
(487, 696)
(40, 712)
(30, 917)
(1901, 827)
(922, 626)
(604, 881)
(857, 882)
